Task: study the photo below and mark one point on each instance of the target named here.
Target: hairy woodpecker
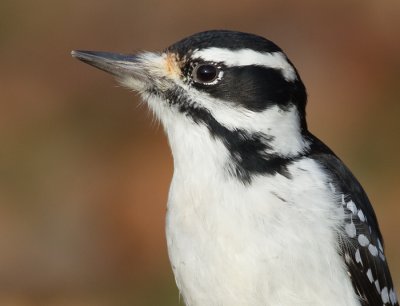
(260, 212)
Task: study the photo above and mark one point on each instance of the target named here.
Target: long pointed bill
(139, 72)
(119, 65)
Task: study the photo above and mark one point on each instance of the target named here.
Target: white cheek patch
(247, 57)
(283, 126)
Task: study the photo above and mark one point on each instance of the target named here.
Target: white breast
(271, 243)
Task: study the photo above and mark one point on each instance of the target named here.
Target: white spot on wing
(370, 277)
(393, 297)
(246, 57)
(361, 215)
(350, 229)
(373, 250)
(385, 295)
(363, 240)
(352, 207)
(378, 287)
(358, 257)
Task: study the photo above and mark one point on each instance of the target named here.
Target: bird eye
(205, 73)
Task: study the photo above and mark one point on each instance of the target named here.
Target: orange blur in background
(84, 169)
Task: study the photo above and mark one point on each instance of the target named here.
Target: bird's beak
(119, 65)
(139, 72)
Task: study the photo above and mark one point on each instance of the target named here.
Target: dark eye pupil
(205, 73)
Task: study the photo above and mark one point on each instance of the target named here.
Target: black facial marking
(253, 87)
(248, 151)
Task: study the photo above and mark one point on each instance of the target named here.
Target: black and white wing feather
(361, 245)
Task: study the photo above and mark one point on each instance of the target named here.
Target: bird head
(231, 90)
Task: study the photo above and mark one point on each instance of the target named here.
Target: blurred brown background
(84, 172)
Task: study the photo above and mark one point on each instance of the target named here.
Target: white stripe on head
(246, 57)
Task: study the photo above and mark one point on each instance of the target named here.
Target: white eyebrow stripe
(246, 57)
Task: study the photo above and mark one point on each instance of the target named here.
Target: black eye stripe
(254, 87)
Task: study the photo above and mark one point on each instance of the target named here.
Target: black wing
(362, 245)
